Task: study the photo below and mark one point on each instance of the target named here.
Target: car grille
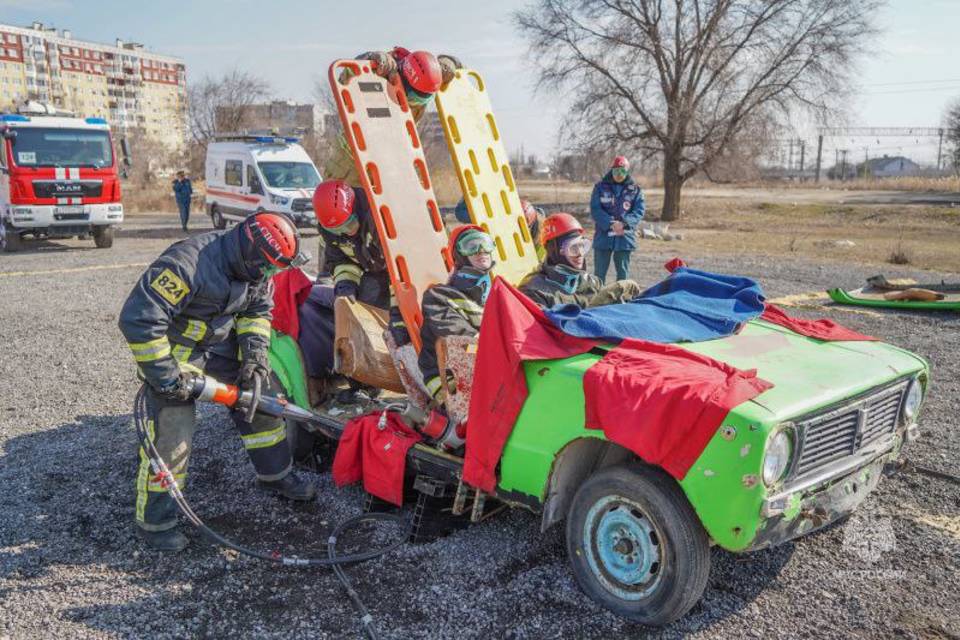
(67, 188)
(841, 432)
(301, 204)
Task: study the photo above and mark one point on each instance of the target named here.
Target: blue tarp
(688, 306)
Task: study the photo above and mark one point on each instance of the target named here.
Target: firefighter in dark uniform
(456, 308)
(204, 306)
(562, 277)
(355, 260)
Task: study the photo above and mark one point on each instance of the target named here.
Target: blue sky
(907, 82)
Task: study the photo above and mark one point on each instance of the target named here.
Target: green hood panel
(807, 374)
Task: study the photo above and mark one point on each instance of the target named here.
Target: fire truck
(58, 178)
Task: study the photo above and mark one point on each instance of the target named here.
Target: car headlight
(279, 200)
(776, 458)
(911, 402)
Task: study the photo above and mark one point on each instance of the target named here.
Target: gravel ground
(70, 566)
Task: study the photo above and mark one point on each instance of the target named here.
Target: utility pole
(790, 158)
(843, 164)
(939, 150)
(819, 156)
(866, 161)
(803, 148)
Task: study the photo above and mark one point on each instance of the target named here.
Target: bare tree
(684, 78)
(222, 103)
(952, 134)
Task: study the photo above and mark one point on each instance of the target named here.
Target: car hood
(807, 374)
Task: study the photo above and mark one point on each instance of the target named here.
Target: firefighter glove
(253, 370)
(178, 389)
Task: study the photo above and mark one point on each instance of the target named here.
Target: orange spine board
(379, 127)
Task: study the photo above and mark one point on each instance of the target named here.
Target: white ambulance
(246, 173)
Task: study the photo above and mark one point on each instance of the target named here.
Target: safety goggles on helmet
(619, 172)
(574, 246)
(473, 242)
(348, 228)
(417, 99)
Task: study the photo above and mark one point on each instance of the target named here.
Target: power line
(929, 90)
(894, 84)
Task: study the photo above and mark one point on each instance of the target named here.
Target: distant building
(889, 167)
(135, 90)
(281, 115)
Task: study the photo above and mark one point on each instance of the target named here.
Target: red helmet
(559, 224)
(620, 162)
(455, 236)
(529, 212)
(421, 71)
(333, 203)
(274, 236)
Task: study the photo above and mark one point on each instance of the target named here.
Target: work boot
(291, 487)
(169, 541)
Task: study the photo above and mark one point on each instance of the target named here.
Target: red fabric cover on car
(514, 329)
(377, 456)
(290, 290)
(663, 402)
(822, 329)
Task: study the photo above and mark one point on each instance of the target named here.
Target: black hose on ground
(160, 469)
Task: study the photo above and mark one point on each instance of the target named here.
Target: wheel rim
(623, 548)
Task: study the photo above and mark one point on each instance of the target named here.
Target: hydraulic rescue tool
(252, 401)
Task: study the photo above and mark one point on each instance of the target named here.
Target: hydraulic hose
(167, 479)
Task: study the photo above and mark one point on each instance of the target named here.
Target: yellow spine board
(379, 126)
(483, 170)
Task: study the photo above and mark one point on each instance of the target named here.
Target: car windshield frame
(37, 141)
(272, 177)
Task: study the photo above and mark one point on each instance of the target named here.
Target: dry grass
(923, 236)
(946, 184)
(157, 196)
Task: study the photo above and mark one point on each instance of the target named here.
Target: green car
(792, 460)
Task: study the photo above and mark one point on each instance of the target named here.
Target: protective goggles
(418, 99)
(619, 172)
(574, 247)
(298, 260)
(348, 228)
(475, 242)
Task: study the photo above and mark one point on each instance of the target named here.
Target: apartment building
(140, 93)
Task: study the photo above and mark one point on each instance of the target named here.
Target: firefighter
(456, 308)
(354, 258)
(204, 306)
(534, 216)
(422, 75)
(562, 277)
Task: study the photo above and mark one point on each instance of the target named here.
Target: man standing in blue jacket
(617, 206)
(183, 191)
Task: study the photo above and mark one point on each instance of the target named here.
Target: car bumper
(791, 514)
(51, 217)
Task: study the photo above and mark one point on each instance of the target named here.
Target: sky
(907, 81)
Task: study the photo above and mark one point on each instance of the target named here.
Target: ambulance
(247, 173)
(58, 177)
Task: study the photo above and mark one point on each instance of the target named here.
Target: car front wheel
(636, 546)
(219, 222)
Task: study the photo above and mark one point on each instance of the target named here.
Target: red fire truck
(58, 178)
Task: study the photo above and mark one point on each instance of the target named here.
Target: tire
(103, 237)
(636, 546)
(10, 239)
(217, 218)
